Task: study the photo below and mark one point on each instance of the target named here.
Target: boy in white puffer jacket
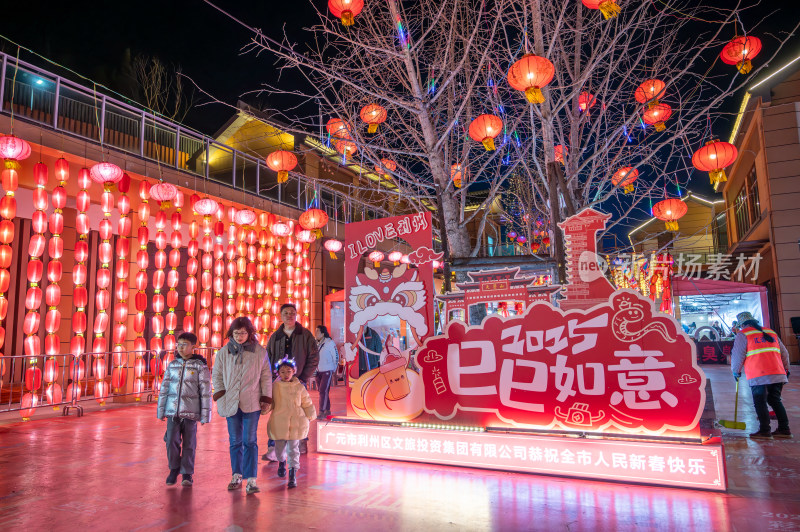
(292, 409)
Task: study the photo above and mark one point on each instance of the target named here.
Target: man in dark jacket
(294, 341)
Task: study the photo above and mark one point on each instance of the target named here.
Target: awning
(683, 286)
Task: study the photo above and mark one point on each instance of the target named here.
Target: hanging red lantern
(245, 217)
(713, 158)
(313, 219)
(650, 91)
(657, 115)
(608, 8)
(386, 166)
(283, 162)
(206, 206)
(163, 193)
(280, 229)
(333, 246)
(374, 115)
(376, 257)
(346, 10)
(28, 405)
(529, 74)
(558, 153)
(484, 129)
(670, 210)
(105, 173)
(624, 177)
(395, 257)
(586, 101)
(345, 147)
(739, 51)
(338, 128)
(457, 173)
(13, 149)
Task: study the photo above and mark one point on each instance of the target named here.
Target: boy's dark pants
(185, 431)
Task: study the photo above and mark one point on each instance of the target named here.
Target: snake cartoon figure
(627, 321)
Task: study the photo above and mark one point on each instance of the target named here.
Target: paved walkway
(106, 471)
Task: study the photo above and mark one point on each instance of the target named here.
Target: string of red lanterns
(173, 277)
(140, 300)
(230, 269)
(217, 306)
(119, 331)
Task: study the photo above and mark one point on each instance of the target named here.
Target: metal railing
(75, 379)
(37, 95)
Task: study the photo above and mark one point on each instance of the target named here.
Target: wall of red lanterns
(157, 261)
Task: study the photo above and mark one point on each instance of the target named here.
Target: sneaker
(251, 486)
(762, 435)
(236, 482)
(292, 478)
(782, 433)
(172, 478)
(187, 480)
(282, 469)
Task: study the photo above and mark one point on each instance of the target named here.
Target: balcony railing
(37, 95)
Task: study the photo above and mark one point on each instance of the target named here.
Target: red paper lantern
(608, 8)
(624, 177)
(163, 193)
(345, 10)
(529, 74)
(739, 51)
(245, 217)
(376, 257)
(333, 246)
(13, 149)
(713, 158)
(28, 405)
(484, 129)
(457, 174)
(338, 128)
(670, 210)
(281, 229)
(395, 257)
(386, 166)
(206, 206)
(283, 162)
(586, 101)
(558, 153)
(657, 115)
(374, 115)
(313, 219)
(105, 173)
(345, 147)
(650, 91)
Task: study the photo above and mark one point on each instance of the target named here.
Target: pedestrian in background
(328, 362)
(765, 361)
(242, 380)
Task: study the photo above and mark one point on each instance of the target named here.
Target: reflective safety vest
(763, 357)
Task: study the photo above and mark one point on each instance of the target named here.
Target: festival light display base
(660, 463)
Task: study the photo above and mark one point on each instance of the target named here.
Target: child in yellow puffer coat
(292, 410)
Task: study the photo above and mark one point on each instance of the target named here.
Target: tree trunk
(559, 252)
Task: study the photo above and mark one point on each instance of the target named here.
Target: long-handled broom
(735, 424)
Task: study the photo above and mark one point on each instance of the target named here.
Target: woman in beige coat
(291, 411)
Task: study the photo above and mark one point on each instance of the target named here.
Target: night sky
(95, 41)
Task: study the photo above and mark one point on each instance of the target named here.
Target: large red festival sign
(601, 362)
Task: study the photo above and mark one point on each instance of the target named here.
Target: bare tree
(435, 66)
(161, 87)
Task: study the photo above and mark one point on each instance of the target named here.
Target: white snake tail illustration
(630, 317)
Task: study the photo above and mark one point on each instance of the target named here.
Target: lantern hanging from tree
(586, 101)
(558, 153)
(521, 239)
(386, 166)
(670, 210)
(529, 74)
(484, 129)
(713, 158)
(624, 177)
(283, 162)
(338, 128)
(657, 115)
(333, 246)
(648, 92)
(739, 51)
(346, 10)
(512, 235)
(608, 8)
(374, 115)
(345, 147)
(458, 173)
